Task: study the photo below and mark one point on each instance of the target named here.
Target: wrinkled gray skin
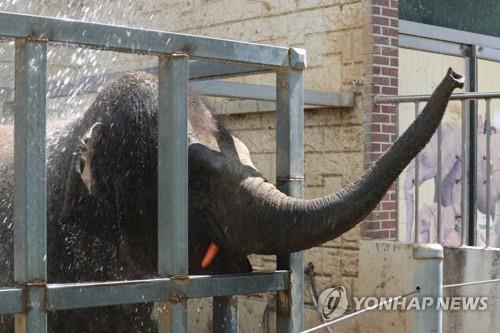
(102, 220)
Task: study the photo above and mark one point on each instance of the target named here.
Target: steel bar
(208, 87)
(434, 32)
(465, 160)
(12, 300)
(267, 93)
(84, 295)
(439, 231)
(428, 280)
(92, 84)
(173, 185)
(379, 99)
(30, 262)
(205, 70)
(430, 45)
(398, 189)
(472, 86)
(225, 314)
(290, 177)
(417, 192)
(198, 70)
(133, 40)
(225, 285)
(488, 53)
(488, 169)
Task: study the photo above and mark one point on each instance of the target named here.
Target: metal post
(30, 243)
(225, 314)
(173, 187)
(417, 197)
(428, 278)
(472, 171)
(463, 188)
(488, 169)
(439, 231)
(290, 177)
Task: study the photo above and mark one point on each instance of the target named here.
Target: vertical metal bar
(225, 314)
(439, 226)
(428, 278)
(416, 208)
(488, 169)
(398, 187)
(472, 190)
(463, 227)
(30, 243)
(290, 177)
(173, 186)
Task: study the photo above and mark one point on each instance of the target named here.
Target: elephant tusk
(209, 256)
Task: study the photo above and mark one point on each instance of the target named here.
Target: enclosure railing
(468, 172)
(33, 297)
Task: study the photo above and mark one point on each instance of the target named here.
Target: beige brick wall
(337, 36)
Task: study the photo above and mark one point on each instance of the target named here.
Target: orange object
(209, 256)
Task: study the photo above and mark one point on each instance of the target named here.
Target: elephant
(102, 199)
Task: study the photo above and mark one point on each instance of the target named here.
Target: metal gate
(33, 297)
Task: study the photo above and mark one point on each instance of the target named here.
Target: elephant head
(230, 202)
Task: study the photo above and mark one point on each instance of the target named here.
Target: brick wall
(381, 127)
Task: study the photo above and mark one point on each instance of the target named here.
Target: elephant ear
(85, 154)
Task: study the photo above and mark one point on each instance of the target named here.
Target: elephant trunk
(264, 220)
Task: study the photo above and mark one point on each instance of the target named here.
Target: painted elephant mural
(428, 168)
(451, 183)
(102, 198)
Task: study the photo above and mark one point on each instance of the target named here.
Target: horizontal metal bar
(447, 34)
(225, 285)
(198, 70)
(83, 295)
(333, 99)
(203, 70)
(488, 53)
(216, 88)
(133, 40)
(431, 45)
(381, 99)
(11, 300)
(268, 93)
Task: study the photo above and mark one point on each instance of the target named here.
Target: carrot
(209, 256)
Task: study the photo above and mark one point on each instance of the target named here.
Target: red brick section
(381, 128)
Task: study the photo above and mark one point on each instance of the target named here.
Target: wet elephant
(102, 198)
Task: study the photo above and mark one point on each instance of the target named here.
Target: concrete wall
(338, 37)
(386, 270)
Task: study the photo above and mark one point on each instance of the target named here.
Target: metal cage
(33, 297)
